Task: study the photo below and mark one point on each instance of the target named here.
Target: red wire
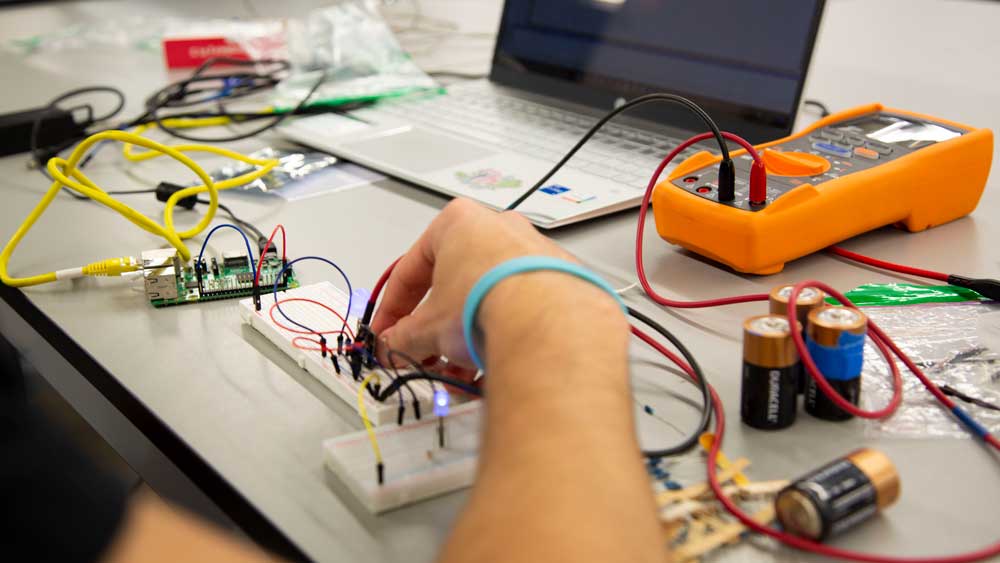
(319, 345)
(891, 266)
(256, 277)
(310, 332)
(804, 544)
(877, 336)
(640, 229)
(789, 539)
(380, 284)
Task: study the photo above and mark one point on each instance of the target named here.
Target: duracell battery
(838, 496)
(768, 394)
(809, 299)
(835, 337)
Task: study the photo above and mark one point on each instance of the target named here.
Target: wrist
(534, 313)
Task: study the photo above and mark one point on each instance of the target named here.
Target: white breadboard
(318, 318)
(416, 467)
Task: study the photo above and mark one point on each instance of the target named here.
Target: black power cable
(234, 85)
(691, 441)
(727, 172)
(39, 159)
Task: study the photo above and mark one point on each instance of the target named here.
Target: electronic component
(160, 274)
(301, 305)
(809, 299)
(234, 258)
(899, 167)
(835, 337)
(167, 283)
(56, 127)
(769, 394)
(416, 467)
(839, 495)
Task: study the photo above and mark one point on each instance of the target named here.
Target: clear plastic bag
(954, 344)
(356, 50)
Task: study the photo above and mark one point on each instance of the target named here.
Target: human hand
(464, 242)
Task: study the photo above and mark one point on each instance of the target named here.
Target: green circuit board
(178, 285)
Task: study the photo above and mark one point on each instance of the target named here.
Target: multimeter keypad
(846, 146)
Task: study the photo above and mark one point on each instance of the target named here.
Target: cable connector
(758, 184)
(112, 267)
(727, 180)
(366, 339)
(165, 189)
(988, 288)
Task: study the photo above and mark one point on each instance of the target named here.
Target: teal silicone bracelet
(509, 268)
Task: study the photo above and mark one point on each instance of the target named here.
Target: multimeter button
(831, 134)
(865, 153)
(794, 163)
(880, 148)
(830, 148)
(855, 140)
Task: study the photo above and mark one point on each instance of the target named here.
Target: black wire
(823, 111)
(225, 209)
(176, 94)
(428, 376)
(641, 100)
(39, 159)
(396, 372)
(691, 441)
(278, 118)
(409, 359)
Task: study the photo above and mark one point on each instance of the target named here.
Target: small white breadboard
(301, 346)
(416, 466)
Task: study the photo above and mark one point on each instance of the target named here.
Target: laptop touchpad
(418, 150)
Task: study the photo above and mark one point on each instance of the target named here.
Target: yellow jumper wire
(364, 416)
(66, 174)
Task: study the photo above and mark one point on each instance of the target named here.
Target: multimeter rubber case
(848, 173)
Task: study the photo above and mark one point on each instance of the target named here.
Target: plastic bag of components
(355, 48)
(292, 167)
(958, 347)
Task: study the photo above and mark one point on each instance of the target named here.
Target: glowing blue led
(359, 301)
(441, 402)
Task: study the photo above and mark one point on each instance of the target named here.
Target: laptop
(559, 66)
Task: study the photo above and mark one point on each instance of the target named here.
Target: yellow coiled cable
(66, 174)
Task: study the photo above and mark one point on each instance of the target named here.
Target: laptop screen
(744, 61)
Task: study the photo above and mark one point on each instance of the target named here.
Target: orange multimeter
(848, 173)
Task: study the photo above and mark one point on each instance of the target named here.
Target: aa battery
(835, 337)
(838, 496)
(809, 299)
(768, 392)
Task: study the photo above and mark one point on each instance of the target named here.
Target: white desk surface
(258, 421)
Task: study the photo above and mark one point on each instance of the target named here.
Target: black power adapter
(56, 127)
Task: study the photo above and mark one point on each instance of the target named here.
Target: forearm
(560, 469)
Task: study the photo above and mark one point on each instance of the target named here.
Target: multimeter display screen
(898, 131)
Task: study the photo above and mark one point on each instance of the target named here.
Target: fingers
(407, 285)
(411, 278)
(414, 335)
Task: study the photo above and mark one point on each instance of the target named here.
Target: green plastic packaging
(891, 294)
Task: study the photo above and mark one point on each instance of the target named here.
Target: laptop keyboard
(625, 155)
